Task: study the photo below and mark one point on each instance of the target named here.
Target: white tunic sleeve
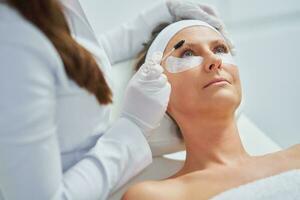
(30, 161)
(126, 41)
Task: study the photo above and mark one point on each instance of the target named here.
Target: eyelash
(215, 50)
(224, 49)
(185, 51)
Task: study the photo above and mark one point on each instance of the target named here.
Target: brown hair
(142, 54)
(80, 66)
(142, 57)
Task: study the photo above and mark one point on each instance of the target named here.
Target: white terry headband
(163, 38)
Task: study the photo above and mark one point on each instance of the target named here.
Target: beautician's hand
(147, 95)
(181, 9)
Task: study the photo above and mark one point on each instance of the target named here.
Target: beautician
(55, 138)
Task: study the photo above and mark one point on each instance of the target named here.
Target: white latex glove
(147, 95)
(182, 9)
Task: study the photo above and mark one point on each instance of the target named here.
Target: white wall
(266, 34)
(267, 37)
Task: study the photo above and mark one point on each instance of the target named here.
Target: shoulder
(152, 190)
(291, 156)
(294, 153)
(20, 36)
(142, 191)
(28, 59)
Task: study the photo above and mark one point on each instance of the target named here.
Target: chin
(224, 99)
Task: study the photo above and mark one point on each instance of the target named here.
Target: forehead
(194, 34)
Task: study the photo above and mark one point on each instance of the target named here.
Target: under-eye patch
(176, 65)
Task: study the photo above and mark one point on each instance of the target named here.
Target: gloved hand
(147, 95)
(181, 10)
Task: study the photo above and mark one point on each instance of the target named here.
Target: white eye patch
(176, 65)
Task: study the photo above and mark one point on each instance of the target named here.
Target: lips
(217, 80)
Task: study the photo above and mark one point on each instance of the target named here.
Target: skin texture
(216, 159)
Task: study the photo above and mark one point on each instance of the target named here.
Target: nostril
(211, 66)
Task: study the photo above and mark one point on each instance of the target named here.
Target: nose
(213, 63)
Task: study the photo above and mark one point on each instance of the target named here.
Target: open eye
(187, 53)
(220, 49)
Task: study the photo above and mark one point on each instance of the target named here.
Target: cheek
(236, 80)
(183, 92)
(235, 92)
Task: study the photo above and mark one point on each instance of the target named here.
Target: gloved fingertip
(163, 79)
(210, 9)
(158, 69)
(156, 57)
(144, 70)
(154, 72)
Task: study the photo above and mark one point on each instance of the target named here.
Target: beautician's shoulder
(152, 190)
(20, 34)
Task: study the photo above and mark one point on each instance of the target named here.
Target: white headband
(163, 38)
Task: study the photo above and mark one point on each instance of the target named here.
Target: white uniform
(55, 140)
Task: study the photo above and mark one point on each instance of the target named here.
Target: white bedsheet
(284, 186)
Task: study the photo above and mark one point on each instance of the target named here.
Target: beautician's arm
(30, 161)
(123, 42)
(126, 41)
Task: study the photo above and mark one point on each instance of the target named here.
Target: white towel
(282, 186)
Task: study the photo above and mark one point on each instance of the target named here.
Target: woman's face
(193, 92)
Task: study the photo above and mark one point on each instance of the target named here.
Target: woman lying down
(206, 91)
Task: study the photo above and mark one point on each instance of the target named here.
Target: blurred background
(267, 38)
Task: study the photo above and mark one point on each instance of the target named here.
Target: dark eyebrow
(212, 42)
(189, 44)
(219, 41)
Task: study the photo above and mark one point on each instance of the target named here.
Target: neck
(211, 142)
